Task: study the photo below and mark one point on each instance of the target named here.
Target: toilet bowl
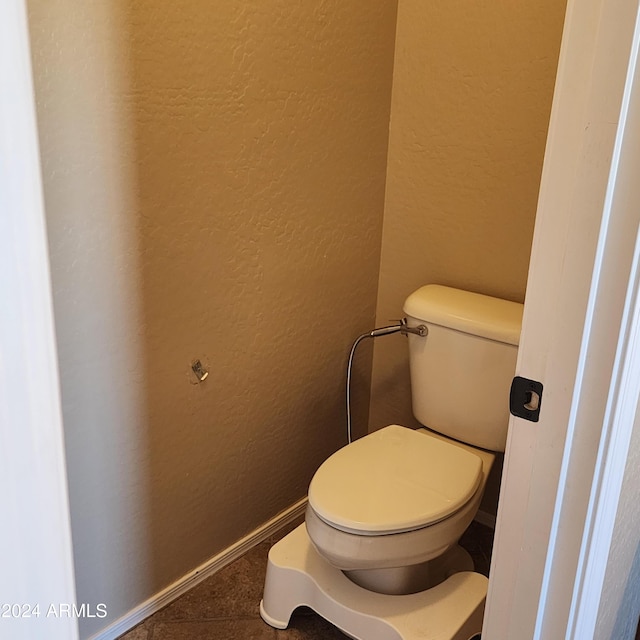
(381, 518)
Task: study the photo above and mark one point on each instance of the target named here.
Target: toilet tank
(461, 371)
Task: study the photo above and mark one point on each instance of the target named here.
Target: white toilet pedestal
(298, 576)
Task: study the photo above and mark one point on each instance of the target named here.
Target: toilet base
(298, 576)
(414, 578)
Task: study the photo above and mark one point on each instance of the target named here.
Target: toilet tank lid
(472, 313)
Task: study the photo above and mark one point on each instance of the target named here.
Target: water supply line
(402, 327)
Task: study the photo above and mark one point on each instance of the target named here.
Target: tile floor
(225, 606)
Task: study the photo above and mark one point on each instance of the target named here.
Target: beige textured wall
(472, 91)
(214, 182)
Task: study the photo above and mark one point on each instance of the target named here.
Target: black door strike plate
(525, 398)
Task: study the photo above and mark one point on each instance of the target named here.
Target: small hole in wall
(199, 370)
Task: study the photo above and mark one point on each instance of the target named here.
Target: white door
(36, 580)
(563, 475)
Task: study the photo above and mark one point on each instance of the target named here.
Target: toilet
(385, 513)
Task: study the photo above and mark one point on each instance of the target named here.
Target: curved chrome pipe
(401, 327)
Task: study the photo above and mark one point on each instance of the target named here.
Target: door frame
(563, 475)
(35, 536)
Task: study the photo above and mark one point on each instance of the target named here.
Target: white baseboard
(206, 569)
(487, 519)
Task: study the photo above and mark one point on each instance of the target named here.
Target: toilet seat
(394, 480)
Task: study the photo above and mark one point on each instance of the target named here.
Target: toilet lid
(393, 480)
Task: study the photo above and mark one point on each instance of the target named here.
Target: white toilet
(385, 513)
